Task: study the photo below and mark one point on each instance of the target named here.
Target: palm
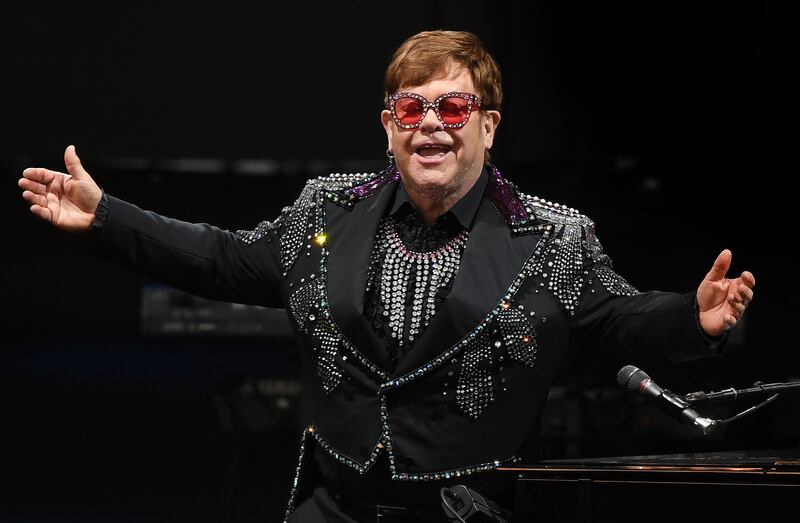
(68, 200)
(56, 190)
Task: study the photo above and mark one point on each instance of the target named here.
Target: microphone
(637, 380)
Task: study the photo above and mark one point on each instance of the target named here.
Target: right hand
(68, 201)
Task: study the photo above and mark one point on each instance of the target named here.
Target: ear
(490, 120)
(386, 121)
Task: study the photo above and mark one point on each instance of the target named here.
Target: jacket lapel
(351, 234)
(489, 264)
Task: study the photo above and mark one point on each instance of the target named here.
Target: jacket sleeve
(241, 267)
(614, 318)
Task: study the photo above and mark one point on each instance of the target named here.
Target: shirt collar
(464, 210)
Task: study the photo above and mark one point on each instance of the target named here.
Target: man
(434, 303)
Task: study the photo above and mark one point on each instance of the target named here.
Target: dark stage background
(673, 125)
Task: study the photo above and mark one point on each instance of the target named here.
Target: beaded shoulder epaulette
(573, 250)
(302, 221)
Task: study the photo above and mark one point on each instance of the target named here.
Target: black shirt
(419, 237)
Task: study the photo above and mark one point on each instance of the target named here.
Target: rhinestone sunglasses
(452, 109)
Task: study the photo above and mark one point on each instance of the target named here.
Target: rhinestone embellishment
(425, 272)
(510, 336)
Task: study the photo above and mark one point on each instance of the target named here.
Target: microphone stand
(635, 379)
(731, 394)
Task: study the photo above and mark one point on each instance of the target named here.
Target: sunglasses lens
(408, 110)
(454, 110)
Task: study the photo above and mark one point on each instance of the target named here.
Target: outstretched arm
(722, 301)
(614, 317)
(68, 201)
(195, 257)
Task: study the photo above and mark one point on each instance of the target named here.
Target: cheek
(472, 140)
(472, 147)
(401, 143)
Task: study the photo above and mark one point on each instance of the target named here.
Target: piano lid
(741, 458)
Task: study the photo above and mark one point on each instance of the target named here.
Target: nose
(430, 122)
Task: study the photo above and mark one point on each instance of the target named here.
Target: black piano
(727, 487)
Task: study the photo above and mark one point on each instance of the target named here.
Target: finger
(41, 175)
(35, 199)
(720, 267)
(741, 294)
(42, 212)
(738, 307)
(30, 185)
(73, 163)
(735, 298)
(749, 279)
(730, 321)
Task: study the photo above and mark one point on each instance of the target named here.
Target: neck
(433, 201)
(429, 206)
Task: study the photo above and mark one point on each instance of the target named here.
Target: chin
(429, 178)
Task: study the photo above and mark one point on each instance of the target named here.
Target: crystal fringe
(426, 272)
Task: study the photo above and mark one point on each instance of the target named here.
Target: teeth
(432, 152)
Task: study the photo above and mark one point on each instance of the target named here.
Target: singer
(433, 301)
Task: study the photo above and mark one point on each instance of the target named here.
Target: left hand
(721, 300)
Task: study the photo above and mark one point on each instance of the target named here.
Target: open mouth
(433, 150)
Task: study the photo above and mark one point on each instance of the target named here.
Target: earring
(390, 155)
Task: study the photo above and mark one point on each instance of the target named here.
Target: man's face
(436, 161)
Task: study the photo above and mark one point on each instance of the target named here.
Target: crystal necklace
(425, 272)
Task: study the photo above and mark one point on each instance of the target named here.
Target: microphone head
(630, 377)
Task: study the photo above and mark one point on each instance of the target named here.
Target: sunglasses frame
(472, 100)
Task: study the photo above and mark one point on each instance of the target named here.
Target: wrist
(715, 342)
(100, 213)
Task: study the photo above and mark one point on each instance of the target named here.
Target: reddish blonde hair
(432, 54)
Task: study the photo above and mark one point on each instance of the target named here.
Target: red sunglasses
(452, 109)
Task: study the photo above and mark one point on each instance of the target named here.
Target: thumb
(721, 266)
(73, 164)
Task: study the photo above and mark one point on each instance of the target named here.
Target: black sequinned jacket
(533, 287)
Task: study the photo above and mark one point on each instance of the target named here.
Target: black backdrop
(672, 125)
